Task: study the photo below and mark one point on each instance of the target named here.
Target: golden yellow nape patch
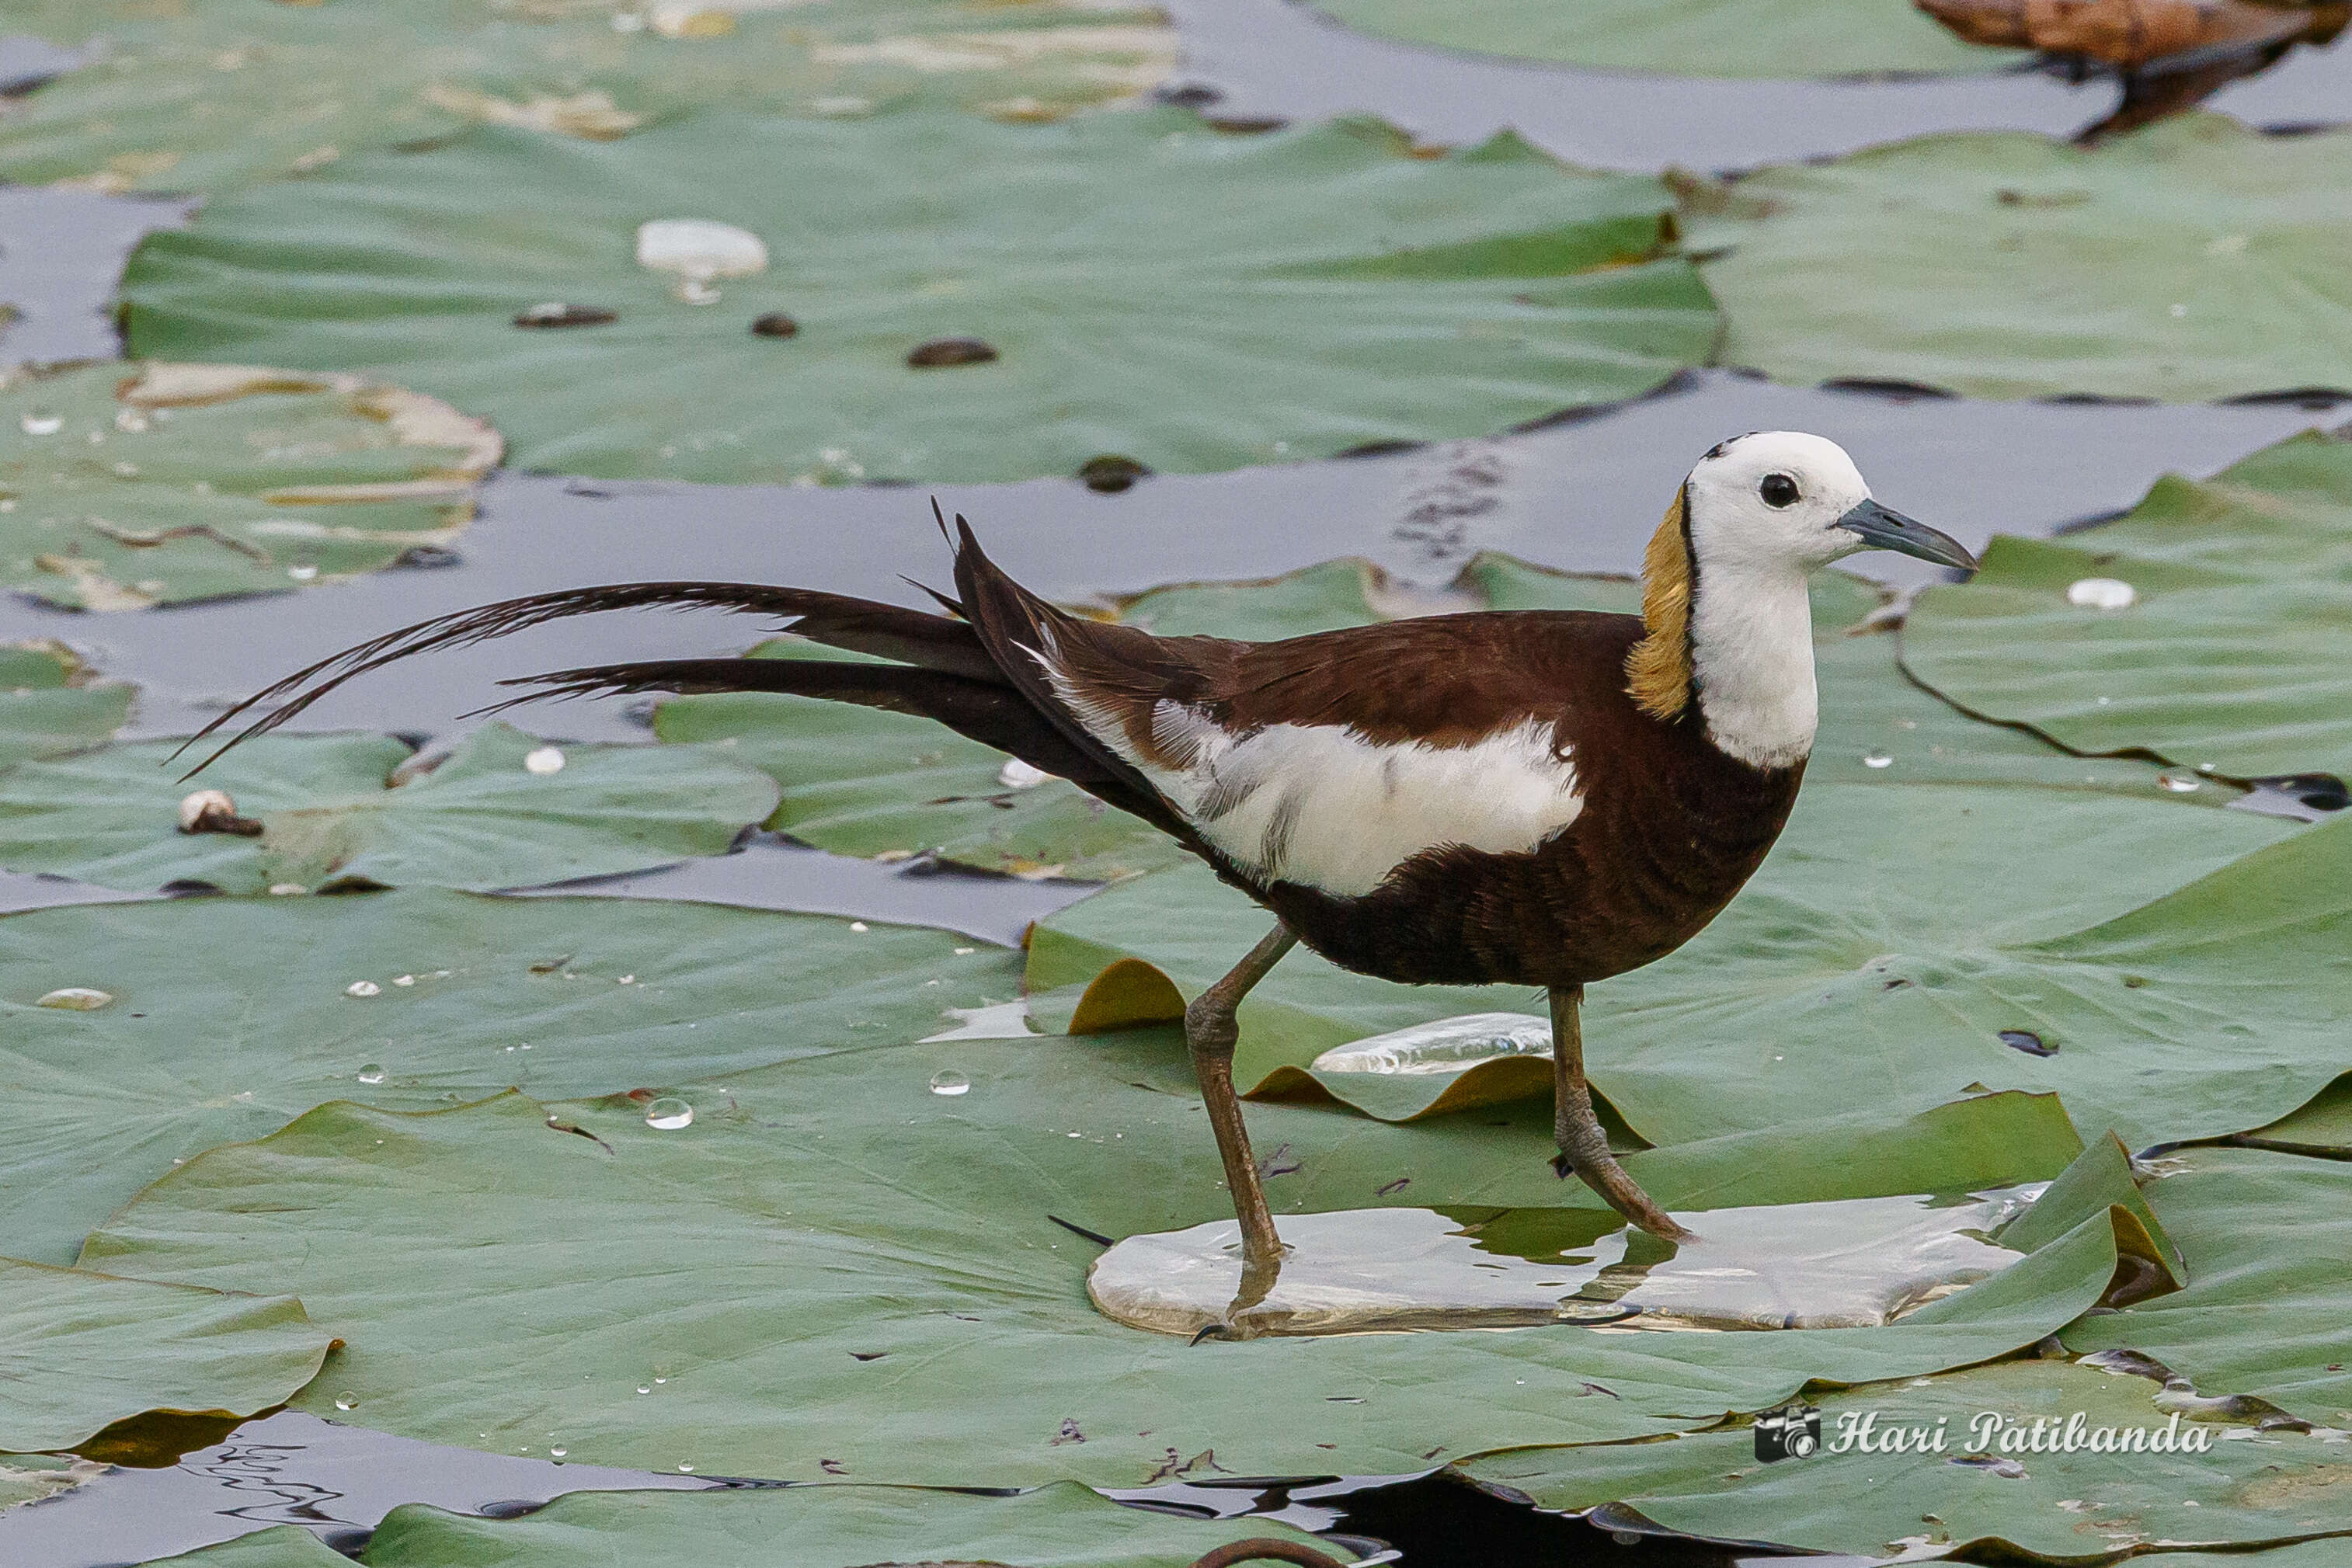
(1658, 670)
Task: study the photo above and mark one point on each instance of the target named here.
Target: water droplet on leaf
(1877, 760)
(38, 423)
(544, 760)
(2102, 593)
(347, 1401)
(948, 1080)
(699, 250)
(371, 1074)
(669, 1113)
(1445, 1046)
(76, 998)
(361, 989)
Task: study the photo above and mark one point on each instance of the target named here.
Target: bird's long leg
(1210, 1032)
(1584, 1146)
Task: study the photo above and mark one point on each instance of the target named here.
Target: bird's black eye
(1778, 490)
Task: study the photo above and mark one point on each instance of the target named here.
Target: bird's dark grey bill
(1882, 528)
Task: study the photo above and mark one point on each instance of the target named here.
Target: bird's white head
(1724, 602)
(1780, 500)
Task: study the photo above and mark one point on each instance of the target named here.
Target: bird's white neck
(1751, 642)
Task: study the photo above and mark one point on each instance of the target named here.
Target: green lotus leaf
(2101, 1181)
(164, 483)
(859, 781)
(801, 1266)
(2267, 1238)
(1137, 284)
(1911, 913)
(82, 1351)
(2321, 1126)
(220, 94)
(50, 702)
(280, 1546)
(1686, 37)
(231, 1015)
(2231, 654)
(2193, 259)
(2014, 1505)
(337, 811)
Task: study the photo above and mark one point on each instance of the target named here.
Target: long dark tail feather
(990, 712)
(859, 625)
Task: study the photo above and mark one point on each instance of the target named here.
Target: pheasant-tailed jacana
(1538, 798)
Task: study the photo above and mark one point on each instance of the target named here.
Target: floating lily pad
(80, 1350)
(2230, 653)
(231, 1015)
(280, 1546)
(797, 1268)
(50, 702)
(2267, 1237)
(338, 812)
(1686, 37)
(225, 93)
(2014, 1504)
(126, 487)
(1150, 286)
(1911, 913)
(2193, 259)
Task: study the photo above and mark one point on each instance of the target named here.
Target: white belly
(1322, 805)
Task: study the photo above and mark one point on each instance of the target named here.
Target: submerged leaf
(1194, 300)
(343, 811)
(176, 482)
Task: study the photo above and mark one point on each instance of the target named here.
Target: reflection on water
(288, 1468)
(1445, 1046)
(1851, 1263)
